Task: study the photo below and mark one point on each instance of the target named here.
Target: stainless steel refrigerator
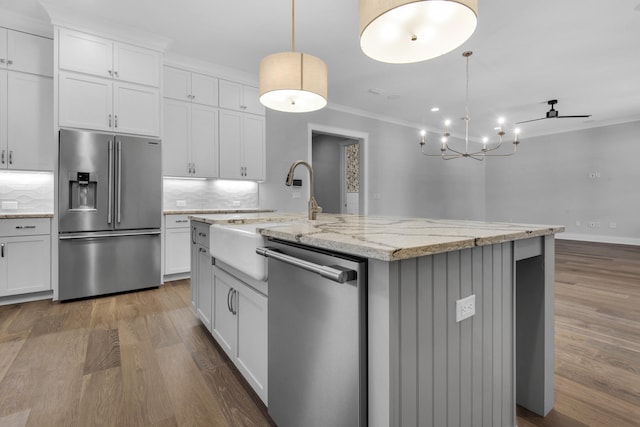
(109, 213)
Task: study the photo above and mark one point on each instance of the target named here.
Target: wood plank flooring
(144, 359)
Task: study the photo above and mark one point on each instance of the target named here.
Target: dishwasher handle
(335, 272)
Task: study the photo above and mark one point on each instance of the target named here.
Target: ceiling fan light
(293, 82)
(405, 31)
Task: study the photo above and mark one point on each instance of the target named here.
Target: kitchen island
(424, 368)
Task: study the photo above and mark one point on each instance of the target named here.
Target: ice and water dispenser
(82, 191)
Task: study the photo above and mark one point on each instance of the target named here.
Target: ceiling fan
(553, 114)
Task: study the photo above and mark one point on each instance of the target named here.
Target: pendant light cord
(466, 117)
(293, 25)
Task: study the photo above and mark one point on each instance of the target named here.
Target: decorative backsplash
(28, 192)
(190, 194)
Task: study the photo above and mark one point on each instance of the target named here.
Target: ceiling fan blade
(532, 120)
(573, 117)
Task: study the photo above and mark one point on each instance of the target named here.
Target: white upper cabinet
(93, 103)
(30, 120)
(89, 54)
(242, 146)
(26, 53)
(190, 87)
(239, 97)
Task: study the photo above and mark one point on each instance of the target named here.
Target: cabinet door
(136, 109)
(176, 84)
(85, 53)
(251, 351)
(175, 139)
(204, 90)
(85, 102)
(3, 47)
(204, 141)
(230, 95)
(136, 64)
(194, 267)
(230, 144)
(3, 117)
(223, 325)
(177, 250)
(205, 295)
(30, 54)
(251, 100)
(26, 262)
(30, 120)
(253, 146)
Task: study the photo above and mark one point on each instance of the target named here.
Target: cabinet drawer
(25, 226)
(202, 233)
(176, 221)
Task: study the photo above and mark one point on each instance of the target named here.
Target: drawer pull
(2, 250)
(181, 221)
(21, 227)
(202, 234)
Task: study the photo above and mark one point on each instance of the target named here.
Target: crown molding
(195, 65)
(27, 24)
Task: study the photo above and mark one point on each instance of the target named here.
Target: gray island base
(424, 368)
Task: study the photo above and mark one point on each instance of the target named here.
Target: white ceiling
(585, 53)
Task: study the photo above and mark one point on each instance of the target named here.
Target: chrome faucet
(314, 209)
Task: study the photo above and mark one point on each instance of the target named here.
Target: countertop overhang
(385, 238)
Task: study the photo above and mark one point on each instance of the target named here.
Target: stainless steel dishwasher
(317, 336)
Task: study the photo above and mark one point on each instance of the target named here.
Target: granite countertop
(248, 217)
(392, 238)
(19, 215)
(215, 211)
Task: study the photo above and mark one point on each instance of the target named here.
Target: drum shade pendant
(405, 31)
(293, 82)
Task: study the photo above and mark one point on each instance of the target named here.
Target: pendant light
(293, 82)
(405, 31)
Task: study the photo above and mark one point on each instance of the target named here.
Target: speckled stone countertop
(391, 238)
(19, 215)
(214, 211)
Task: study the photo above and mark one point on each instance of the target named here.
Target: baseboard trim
(18, 299)
(599, 239)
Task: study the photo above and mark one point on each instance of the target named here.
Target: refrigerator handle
(110, 179)
(119, 176)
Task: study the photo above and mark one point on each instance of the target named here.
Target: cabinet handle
(233, 309)
(194, 168)
(116, 121)
(2, 250)
(2, 61)
(228, 295)
(110, 72)
(3, 151)
(22, 227)
(109, 120)
(10, 157)
(193, 235)
(202, 234)
(9, 62)
(181, 220)
(116, 74)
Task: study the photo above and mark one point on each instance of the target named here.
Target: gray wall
(326, 170)
(407, 183)
(549, 182)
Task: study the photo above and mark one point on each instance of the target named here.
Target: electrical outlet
(295, 194)
(578, 223)
(10, 204)
(235, 203)
(465, 308)
(181, 203)
(613, 225)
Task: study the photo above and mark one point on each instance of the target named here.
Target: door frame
(363, 140)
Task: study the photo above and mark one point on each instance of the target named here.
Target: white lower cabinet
(205, 297)
(25, 256)
(239, 325)
(177, 242)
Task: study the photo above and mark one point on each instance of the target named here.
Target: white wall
(407, 183)
(548, 182)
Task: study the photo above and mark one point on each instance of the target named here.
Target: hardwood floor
(136, 359)
(144, 359)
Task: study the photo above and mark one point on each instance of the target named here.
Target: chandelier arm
(461, 154)
(425, 153)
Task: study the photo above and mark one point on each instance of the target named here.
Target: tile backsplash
(187, 194)
(27, 192)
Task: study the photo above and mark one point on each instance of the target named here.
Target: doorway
(338, 165)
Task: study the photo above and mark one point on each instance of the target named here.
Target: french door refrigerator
(109, 213)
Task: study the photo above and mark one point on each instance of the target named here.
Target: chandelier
(447, 152)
